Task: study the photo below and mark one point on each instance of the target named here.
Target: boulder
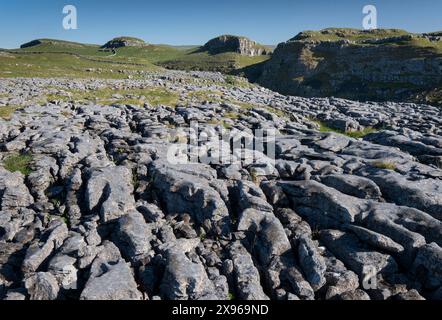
(246, 275)
(185, 279)
(311, 262)
(186, 189)
(110, 277)
(355, 254)
(330, 202)
(353, 185)
(109, 192)
(133, 236)
(42, 286)
(38, 252)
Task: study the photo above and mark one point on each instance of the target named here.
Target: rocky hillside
(91, 207)
(241, 45)
(379, 65)
(227, 54)
(124, 42)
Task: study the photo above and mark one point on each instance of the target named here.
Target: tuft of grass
(231, 115)
(352, 134)
(65, 220)
(226, 125)
(206, 95)
(361, 134)
(244, 105)
(236, 82)
(6, 112)
(18, 163)
(385, 165)
(231, 296)
(278, 112)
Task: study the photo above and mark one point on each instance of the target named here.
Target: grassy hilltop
(57, 58)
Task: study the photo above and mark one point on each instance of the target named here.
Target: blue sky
(196, 21)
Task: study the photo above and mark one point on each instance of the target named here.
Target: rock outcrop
(124, 42)
(362, 65)
(229, 43)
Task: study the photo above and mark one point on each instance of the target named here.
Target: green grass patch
(206, 95)
(361, 134)
(384, 165)
(18, 163)
(236, 82)
(7, 111)
(353, 134)
(226, 62)
(66, 65)
(231, 115)
(244, 105)
(217, 122)
(55, 58)
(278, 112)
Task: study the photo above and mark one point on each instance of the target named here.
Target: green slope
(197, 60)
(56, 58)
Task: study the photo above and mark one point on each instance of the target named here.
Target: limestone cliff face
(394, 68)
(241, 45)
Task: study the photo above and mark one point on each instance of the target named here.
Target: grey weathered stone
(355, 255)
(357, 294)
(102, 167)
(311, 262)
(133, 236)
(247, 278)
(64, 270)
(353, 185)
(185, 279)
(185, 189)
(13, 192)
(110, 277)
(109, 192)
(427, 265)
(425, 195)
(410, 295)
(42, 286)
(375, 239)
(38, 252)
(299, 286)
(331, 202)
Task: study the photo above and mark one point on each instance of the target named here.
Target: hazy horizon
(194, 22)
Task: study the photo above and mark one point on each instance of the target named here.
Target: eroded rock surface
(107, 209)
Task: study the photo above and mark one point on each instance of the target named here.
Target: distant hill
(58, 58)
(52, 42)
(124, 42)
(384, 64)
(118, 58)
